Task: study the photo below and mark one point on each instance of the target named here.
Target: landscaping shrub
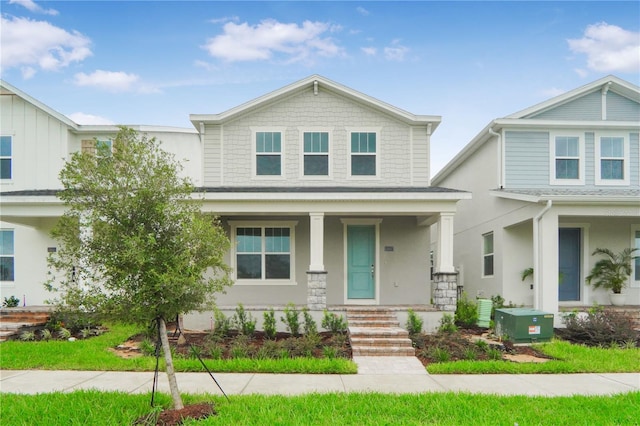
(244, 321)
(466, 312)
(414, 323)
(310, 326)
(11, 302)
(598, 327)
(333, 322)
(222, 324)
(269, 324)
(447, 325)
(291, 319)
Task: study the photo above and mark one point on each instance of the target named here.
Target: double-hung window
(567, 163)
(264, 253)
(268, 149)
(6, 157)
(612, 160)
(487, 254)
(316, 153)
(364, 154)
(6, 255)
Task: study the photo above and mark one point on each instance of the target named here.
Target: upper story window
(6, 255)
(268, 150)
(264, 252)
(316, 153)
(567, 162)
(612, 160)
(364, 154)
(98, 147)
(487, 254)
(6, 157)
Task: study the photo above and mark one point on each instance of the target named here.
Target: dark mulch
(177, 417)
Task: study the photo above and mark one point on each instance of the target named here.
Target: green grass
(94, 354)
(568, 359)
(112, 408)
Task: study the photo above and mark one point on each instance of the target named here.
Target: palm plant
(613, 271)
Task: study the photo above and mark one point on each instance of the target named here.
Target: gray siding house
(550, 184)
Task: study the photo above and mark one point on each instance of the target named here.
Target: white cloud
(33, 7)
(396, 51)
(117, 81)
(369, 51)
(205, 65)
(82, 118)
(27, 72)
(224, 19)
(609, 48)
(38, 44)
(244, 42)
(362, 11)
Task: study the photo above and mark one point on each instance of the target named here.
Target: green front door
(361, 246)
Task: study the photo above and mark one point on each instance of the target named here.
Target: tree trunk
(171, 374)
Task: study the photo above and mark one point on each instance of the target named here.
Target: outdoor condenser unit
(524, 325)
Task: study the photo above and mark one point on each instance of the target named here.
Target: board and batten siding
(526, 159)
(232, 148)
(587, 107)
(620, 108)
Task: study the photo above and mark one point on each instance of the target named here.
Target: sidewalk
(375, 375)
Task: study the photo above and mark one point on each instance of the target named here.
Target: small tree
(613, 271)
(133, 243)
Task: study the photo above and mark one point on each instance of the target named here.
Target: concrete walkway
(376, 374)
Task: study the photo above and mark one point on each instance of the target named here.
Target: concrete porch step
(376, 332)
(373, 323)
(14, 320)
(381, 342)
(379, 332)
(383, 351)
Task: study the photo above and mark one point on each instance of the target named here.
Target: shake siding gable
(212, 155)
(527, 159)
(587, 107)
(620, 108)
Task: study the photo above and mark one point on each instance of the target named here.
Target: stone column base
(317, 290)
(445, 294)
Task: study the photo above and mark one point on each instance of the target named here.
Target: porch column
(445, 278)
(316, 275)
(546, 281)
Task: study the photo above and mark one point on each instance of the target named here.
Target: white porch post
(546, 271)
(316, 275)
(444, 244)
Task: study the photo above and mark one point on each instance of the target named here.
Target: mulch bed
(177, 417)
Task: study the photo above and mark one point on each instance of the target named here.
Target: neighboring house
(324, 192)
(550, 184)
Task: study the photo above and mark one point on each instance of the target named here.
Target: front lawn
(111, 408)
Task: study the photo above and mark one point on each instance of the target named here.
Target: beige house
(325, 194)
(550, 184)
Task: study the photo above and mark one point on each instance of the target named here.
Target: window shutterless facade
(268, 153)
(364, 148)
(264, 253)
(315, 146)
(487, 254)
(6, 157)
(567, 160)
(612, 160)
(7, 259)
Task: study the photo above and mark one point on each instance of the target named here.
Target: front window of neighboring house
(263, 253)
(567, 163)
(6, 255)
(487, 254)
(268, 154)
(612, 160)
(101, 148)
(363, 154)
(316, 153)
(6, 157)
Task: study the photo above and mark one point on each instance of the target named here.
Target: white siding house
(324, 192)
(550, 184)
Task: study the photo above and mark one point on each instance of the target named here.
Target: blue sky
(156, 62)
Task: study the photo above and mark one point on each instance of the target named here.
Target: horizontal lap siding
(527, 159)
(588, 107)
(635, 159)
(620, 108)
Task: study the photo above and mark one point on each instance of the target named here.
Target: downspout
(500, 154)
(536, 254)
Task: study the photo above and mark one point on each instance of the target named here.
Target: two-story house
(324, 192)
(550, 184)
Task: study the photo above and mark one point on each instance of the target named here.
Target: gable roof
(312, 83)
(522, 118)
(8, 89)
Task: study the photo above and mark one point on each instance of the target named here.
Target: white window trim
(254, 153)
(493, 253)
(632, 282)
(11, 157)
(377, 155)
(234, 224)
(329, 175)
(626, 159)
(552, 160)
(11, 284)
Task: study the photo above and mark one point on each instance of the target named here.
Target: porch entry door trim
(361, 260)
(569, 264)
